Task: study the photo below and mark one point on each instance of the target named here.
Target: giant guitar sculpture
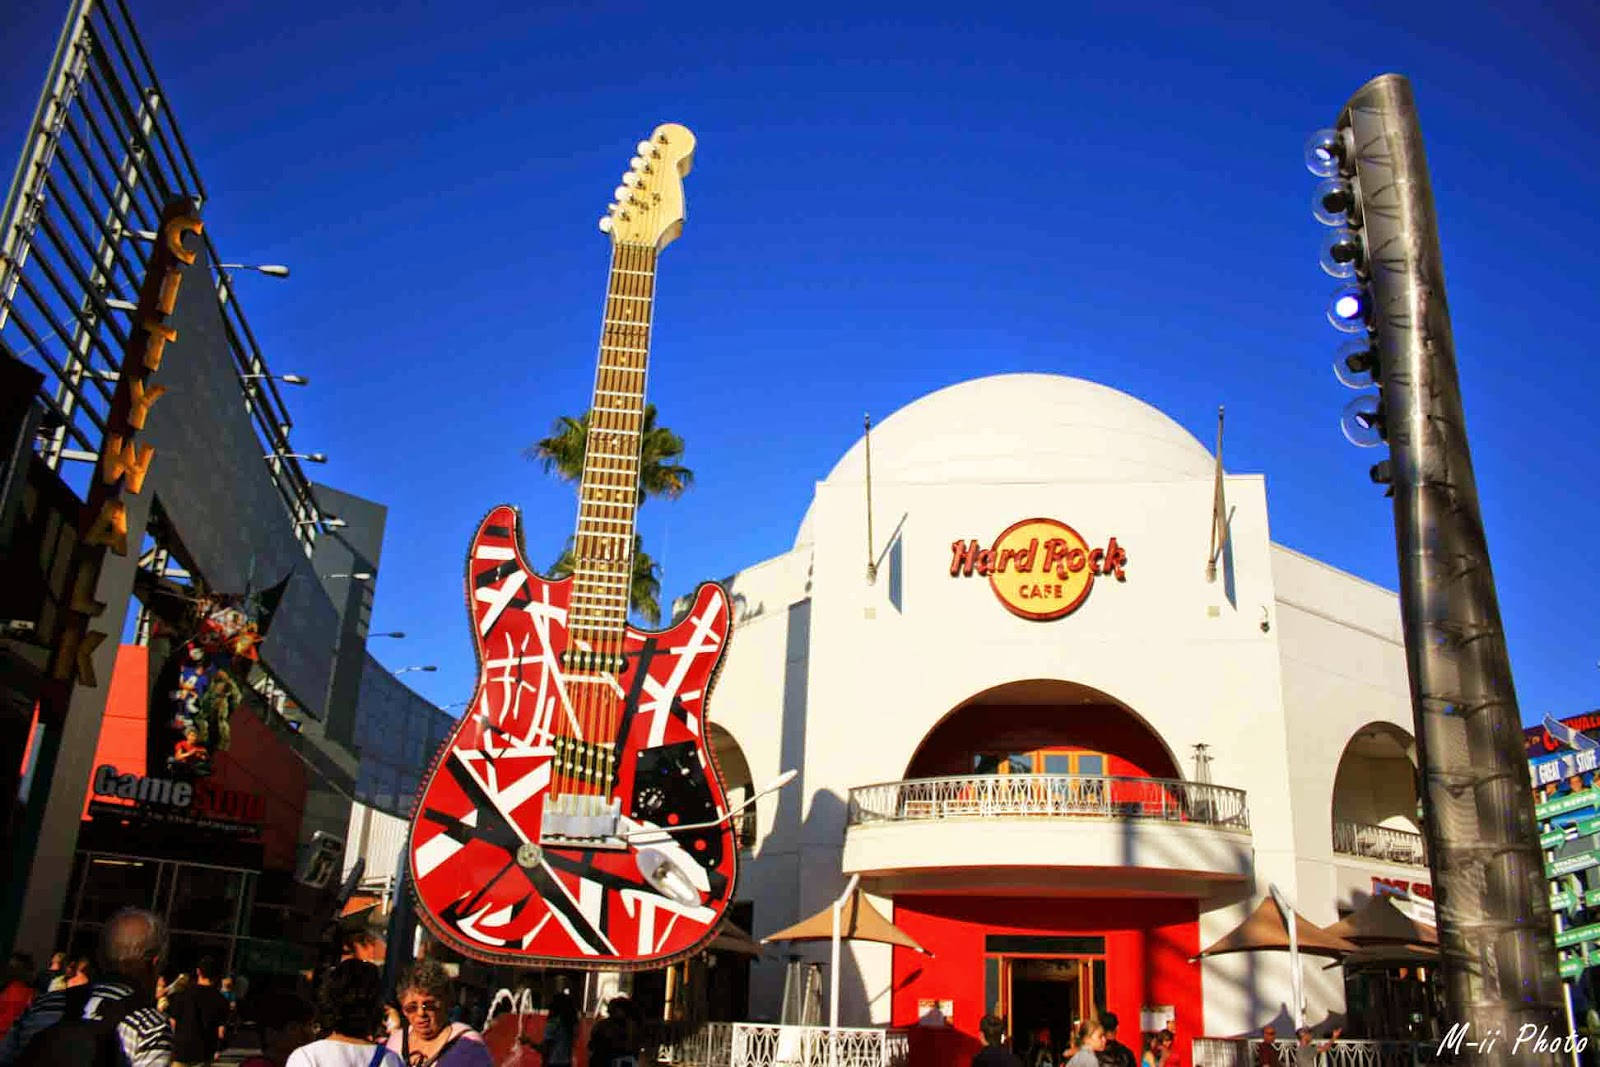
(576, 817)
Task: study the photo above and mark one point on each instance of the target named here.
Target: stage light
(1356, 364)
(1347, 309)
(1362, 421)
(1341, 254)
(1324, 153)
(1332, 201)
(309, 457)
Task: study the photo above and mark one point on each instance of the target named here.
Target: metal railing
(771, 1045)
(1242, 1052)
(1049, 796)
(708, 1045)
(1380, 843)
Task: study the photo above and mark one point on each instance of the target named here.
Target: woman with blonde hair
(1091, 1042)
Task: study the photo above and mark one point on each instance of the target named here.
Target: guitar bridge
(577, 820)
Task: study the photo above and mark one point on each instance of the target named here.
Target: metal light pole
(1499, 959)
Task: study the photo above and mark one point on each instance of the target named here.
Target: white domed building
(1057, 755)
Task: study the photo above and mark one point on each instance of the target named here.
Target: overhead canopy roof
(1379, 922)
(1264, 930)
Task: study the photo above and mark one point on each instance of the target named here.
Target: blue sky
(886, 200)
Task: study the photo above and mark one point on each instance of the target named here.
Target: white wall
(843, 680)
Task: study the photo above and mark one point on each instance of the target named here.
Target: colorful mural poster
(205, 679)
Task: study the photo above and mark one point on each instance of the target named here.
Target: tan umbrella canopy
(732, 938)
(1391, 955)
(858, 921)
(1264, 930)
(1379, 922)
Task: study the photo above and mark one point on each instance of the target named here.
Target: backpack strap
(377, 1055)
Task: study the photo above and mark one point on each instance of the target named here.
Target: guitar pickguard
(488, 879)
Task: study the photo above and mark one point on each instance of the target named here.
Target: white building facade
(1066, 777)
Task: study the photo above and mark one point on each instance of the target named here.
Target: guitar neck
(608, 491)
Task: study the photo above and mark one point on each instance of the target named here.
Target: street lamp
(328, 522)
(273, 270)
(309, 457)
(358, 576)
(287, 379)
(430, 668)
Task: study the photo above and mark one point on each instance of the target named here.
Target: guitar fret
(608, 536)
(626, 348)
(615, 455)
(611, 522)
(630, 323)
(640, 273)
(626, 469)
(576, 594)
(622, 368)
(640, 299)
(617, 392)
(616, 411)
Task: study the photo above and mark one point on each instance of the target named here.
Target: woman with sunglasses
(428, 1038)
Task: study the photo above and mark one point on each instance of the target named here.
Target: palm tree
(660, 474)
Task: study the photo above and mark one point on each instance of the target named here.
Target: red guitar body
(489, 879)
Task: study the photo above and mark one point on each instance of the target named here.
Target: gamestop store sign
(199, 804)
(1039, 569)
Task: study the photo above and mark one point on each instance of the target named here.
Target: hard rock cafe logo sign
(1039, 568)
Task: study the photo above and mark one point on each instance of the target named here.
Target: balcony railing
(1007, 796)
(1380, 843)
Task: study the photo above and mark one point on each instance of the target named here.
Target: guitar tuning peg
(647, 149)
(637, 163)
(631, 180)
(606, 223)
(611, 208)
(621, 194)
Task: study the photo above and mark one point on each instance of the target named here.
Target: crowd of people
(1093, 1043)
(123, 1010)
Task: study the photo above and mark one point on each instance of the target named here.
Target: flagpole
(1219, 521)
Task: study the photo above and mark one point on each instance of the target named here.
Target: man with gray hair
(117, 1009)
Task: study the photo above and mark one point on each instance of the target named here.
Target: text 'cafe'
(1067, 729)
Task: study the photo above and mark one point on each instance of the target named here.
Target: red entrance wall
(1148, 945)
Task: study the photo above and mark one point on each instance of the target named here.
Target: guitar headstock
(649, 203)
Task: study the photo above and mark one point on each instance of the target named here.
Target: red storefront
(1041, 963)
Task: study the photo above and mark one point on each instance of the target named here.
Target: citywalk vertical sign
(117, 505)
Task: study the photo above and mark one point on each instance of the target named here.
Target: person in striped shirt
(132, 943)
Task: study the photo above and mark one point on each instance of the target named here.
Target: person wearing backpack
(349, 1007)
(111, 1022)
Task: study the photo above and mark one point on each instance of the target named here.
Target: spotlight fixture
(1362, 421)
(1356, 364)
(1341, 254)
(1332, 202)
(1325, 151)
(1348, 308)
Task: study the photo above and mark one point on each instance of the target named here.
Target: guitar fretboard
(607, 494)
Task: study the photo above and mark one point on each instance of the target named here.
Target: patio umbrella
(851, 917)
(732, 938)
(1264, 930)
(1379, 922)
(1417, 954)
(1267, 929)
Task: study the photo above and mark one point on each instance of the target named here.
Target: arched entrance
(1375, 807)
(1042, 726)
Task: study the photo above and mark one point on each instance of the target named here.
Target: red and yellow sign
(1039, 568)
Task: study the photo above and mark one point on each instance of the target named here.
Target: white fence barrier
(768, 1045)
